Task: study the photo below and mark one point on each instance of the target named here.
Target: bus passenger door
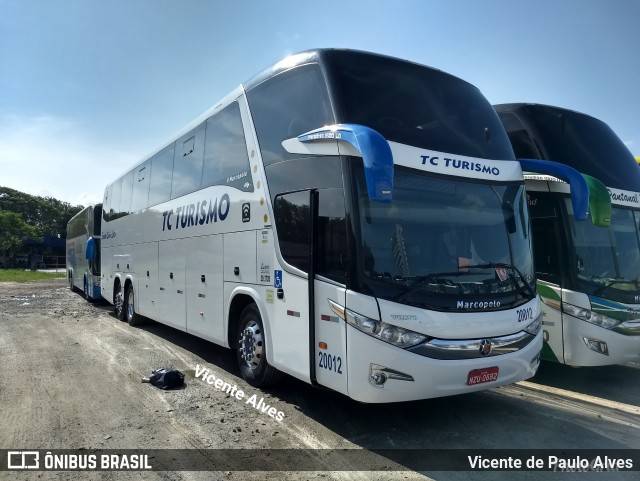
(309, 340)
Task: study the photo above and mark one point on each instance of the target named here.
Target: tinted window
(286, 106)
(187, 165)
(306, 173)
(523, 145)
(107, 203)
(161, 173)
(332, 235)
(292, 213)
(114, 210)
(416, 105)
(546, 236)
(140, 187)
(125, 197)
(225, 154)
(582, 142)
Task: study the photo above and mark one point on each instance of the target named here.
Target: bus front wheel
(251, 351)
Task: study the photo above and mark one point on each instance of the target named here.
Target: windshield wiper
(414, 282)
(509, 268)
(609, 283)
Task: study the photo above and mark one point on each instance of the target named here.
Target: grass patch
(20, 275)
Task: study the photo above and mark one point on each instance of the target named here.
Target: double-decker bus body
(83, 251)
(588, 276)
(352, 220)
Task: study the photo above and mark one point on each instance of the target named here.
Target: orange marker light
(322, 345)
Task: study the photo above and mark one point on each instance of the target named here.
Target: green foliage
(13, 229)
(48, 215)
(18, 275)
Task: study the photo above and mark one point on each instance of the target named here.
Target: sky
(90, 87)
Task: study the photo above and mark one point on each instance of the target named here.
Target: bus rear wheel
(251, 351)
(118, 302)
(132, 317)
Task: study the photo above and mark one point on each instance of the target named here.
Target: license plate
(479, 376)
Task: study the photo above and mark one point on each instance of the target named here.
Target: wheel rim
(130, 306)
(251, 345)
(119, 303)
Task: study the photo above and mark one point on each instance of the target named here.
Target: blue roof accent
(579, 187)
(375, 151)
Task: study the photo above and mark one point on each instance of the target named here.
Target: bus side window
(114, 209)
(225, 153)
(188, 161)
(161, 175)
(546, 241)
(286, 106)
(332, 235)
(292, 213)
(523, 145)
(107, 203)
(140, 187)
(125, 196)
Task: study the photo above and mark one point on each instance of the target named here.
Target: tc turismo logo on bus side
(201, 213)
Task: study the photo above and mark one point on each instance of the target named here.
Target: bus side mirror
(371, 145)
(599, 202)
(578, 185)
(91, 247)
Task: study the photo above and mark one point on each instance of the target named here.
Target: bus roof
(573, 138)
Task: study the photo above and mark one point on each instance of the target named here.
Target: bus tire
(71, 286)
(132, 317)
(118, 302)
(251, 351)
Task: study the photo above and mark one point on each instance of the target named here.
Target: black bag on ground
(166, 378)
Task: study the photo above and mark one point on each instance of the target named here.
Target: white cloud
(48, 155)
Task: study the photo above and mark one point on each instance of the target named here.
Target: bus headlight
(398, 336)
(534, 327)
(590, 316)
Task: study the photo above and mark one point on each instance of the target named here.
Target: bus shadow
(620, 383)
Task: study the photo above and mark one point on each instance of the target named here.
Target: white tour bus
(353, 220)
(588, 275)
(83, 251)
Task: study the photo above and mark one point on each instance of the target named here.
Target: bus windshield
(419, 106)
(608, 258)
(446, 243)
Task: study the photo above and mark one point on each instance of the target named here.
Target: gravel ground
(70, 378)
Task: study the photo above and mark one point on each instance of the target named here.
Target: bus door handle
(280, 293)
(203, 278)
(170, 275)
(236, 271)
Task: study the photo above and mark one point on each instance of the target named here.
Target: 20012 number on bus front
(330, 362)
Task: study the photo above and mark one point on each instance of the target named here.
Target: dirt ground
(70, 378)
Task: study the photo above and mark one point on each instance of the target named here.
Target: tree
(13, 230)
(47, 214)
